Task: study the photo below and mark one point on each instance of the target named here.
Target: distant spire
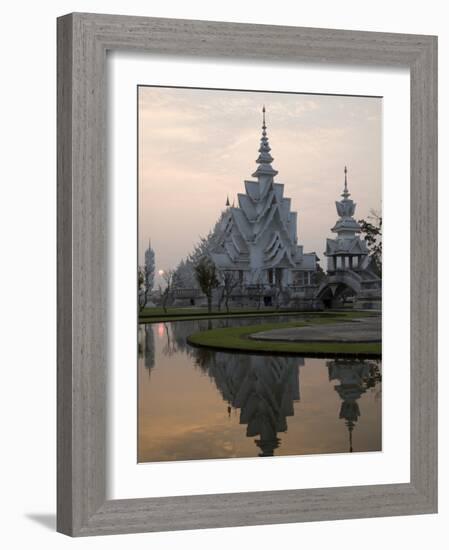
(265, 159)
(346, 193)
(227, 201)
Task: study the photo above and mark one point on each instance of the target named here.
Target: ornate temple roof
(346, 210)
(261, 232)
(348, 241)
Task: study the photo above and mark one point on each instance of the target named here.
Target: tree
(206, 276)
(230, 282)
(166, 293)
(346, 295)
(256, 291)
(145, 276)
(372, 231)
(141, 291)
(185, 272)
(184, 276)
(318, 275)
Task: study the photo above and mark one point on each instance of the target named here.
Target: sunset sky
(198, 146)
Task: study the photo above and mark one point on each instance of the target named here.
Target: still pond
(198, 403)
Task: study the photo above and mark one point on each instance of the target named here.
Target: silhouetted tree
(318, 275)
(206, 276)
(372, 231)
(141, 288)
(167, 292)
(230, 281)
(145, 276)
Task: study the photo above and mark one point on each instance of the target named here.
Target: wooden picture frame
(83, 40)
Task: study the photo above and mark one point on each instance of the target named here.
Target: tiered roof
(347, 228)
(262, 224)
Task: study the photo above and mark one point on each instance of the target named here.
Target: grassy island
(239, 339)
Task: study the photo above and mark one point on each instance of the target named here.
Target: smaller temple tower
(349, 269)
(348, 251)
(150, 267)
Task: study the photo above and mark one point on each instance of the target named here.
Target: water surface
(197, 403)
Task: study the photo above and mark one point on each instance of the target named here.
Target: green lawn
(147, 314)
(153, 315)
(236, 339)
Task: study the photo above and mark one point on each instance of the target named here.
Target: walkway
(360, 330)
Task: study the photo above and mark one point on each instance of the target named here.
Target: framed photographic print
(246, 274)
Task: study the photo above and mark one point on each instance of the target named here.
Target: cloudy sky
(198, 146)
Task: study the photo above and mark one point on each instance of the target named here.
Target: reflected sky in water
(201, 404)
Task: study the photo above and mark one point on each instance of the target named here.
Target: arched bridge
(339, 285)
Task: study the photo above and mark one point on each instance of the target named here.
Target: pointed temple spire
(265, 159)
(346, 193)
(227, 201)
(346, 206)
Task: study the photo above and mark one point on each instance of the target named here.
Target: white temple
(348, 250)
(258, 238)
(257, 241)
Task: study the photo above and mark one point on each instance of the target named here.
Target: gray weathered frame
(83, 40)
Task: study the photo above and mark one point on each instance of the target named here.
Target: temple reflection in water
(355, 377)
(262, 388)
(264, 391)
